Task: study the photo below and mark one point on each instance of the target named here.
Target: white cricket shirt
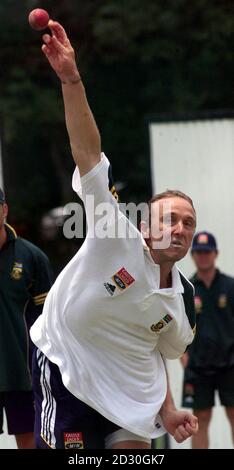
(106, 322)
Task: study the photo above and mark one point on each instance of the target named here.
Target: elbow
(86, 160)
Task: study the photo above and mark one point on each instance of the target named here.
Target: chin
(176, 254)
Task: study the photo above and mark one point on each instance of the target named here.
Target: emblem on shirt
(122, 279)
(198, 303)
(158, 425)
(110, 288)
(73, 440)
(222, 302)
(158, 326)
(17, 271)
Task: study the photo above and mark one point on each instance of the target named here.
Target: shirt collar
(11, 233)
(177, 285)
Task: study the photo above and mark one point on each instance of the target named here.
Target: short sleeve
(98, 195)
(95, 182)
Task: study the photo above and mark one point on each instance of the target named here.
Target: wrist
(71, 80)
(166, 409)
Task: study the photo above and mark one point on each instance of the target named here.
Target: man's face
(204, 260)
(3, 214)
(175, 219)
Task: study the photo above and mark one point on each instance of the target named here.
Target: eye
(189, 223)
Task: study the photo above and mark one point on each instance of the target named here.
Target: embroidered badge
(110, 288)
(17, 271)
(222, 302)
(164, 321)
(198, 304)
(122, 279)
(73, 440)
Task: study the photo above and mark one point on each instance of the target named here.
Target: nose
(178, 228)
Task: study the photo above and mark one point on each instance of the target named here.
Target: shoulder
(31, 249)
(226, 278)
(226, 281)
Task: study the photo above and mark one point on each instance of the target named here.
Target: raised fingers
(58, 31)
(48, 48)
(46, 38)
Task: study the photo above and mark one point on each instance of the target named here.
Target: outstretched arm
(181, 424)
(82, 130)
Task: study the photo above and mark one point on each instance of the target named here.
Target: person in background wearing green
(209, 361)
(25, 279)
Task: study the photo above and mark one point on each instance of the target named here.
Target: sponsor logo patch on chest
(122, 279)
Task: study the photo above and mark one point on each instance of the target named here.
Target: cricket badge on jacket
(198, 304)
(156, 327)
(17, 271)
(222, 302)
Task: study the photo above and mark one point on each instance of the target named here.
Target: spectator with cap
(209, 361)
(25, 278)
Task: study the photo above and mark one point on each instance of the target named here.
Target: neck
(165, 270)
(165, 276)
(3, 236)
(207, 276)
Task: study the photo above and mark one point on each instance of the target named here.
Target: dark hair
(166, 195)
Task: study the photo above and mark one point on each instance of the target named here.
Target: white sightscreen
(197, 157)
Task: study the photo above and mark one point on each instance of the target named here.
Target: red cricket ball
(38, 19)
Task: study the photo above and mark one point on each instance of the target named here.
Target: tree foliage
(136, 59)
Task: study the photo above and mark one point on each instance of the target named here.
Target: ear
(144, 229)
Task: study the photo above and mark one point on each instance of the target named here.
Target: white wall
(197, 157)
(6, 441)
